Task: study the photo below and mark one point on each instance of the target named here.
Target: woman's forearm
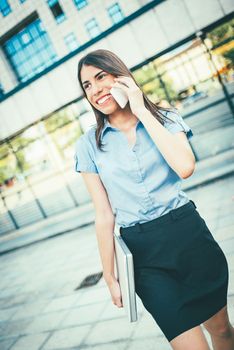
(179, 157)
(104, 231)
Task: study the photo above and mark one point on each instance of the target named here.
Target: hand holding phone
(120, 96)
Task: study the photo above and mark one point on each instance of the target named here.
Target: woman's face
(97, 85)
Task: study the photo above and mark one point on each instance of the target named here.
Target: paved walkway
(40, 308)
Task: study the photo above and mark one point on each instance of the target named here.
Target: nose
(96, 89)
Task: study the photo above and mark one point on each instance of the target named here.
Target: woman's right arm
(104, 225)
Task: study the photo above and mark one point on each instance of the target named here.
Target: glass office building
(43, 112)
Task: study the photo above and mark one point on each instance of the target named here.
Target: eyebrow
(86, 81)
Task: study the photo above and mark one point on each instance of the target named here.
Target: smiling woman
(133, 162)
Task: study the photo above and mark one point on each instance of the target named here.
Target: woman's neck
(123, 120)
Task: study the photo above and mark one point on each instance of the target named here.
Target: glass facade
(30, 51)
(5, 8)
(34, 166)
(80, 3)
(71, 42)
(56, 10)
(186, 75)
(115, 13)
(92, 28)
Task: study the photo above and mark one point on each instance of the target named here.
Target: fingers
(118, 302)
(120, 85)
(122, 81)
(124, 78)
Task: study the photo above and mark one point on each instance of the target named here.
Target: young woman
(133, 162)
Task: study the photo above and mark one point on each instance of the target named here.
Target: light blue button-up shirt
(140, 184)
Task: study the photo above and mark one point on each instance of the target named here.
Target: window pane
(24, 48)
(80, 3)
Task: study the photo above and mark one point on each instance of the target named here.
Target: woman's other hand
(115, 291)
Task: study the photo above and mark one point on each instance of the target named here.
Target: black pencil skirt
(181, 273)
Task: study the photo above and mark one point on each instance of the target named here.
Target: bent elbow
(188, 171)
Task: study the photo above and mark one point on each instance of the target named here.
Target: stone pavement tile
(112, 311)
(230, 307)
(83, 314)
(15, 328)
(207, 335)
(148, 343)
(5, 344)
(94, 295)
(61, 303)
(101, 283)
(108, 331)
(231, 281)
(46, 322)
(15, 300)
(230, 259)
(6, 302)
(225, 221)
(30, 342)
(6, 314)
(228, 246)
(146, 327)
(9, 291)
(117, 345)
(224, 233)
(67, 338)
(29, 310)
(68, 289)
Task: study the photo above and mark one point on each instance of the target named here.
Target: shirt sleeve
(82, 157)
(178, 124)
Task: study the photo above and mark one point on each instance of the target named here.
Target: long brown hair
(112, 64)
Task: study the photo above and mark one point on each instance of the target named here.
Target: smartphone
(120, 96)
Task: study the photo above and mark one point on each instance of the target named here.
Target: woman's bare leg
(221, 330)
(193, 339)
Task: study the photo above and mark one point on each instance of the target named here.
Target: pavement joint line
(91, 328)
(45, 341)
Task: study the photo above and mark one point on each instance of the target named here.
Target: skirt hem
(198, 322)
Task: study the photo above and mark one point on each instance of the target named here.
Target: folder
(125, 276)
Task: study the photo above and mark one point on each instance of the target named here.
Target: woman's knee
(221, 330)
(219, 325)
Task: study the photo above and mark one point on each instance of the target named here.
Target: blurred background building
(180, 51)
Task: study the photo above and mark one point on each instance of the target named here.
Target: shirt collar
(107, 126)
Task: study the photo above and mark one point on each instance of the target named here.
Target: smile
(104, 100)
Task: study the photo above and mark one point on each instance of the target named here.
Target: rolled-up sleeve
(178, 124)
(83, 158)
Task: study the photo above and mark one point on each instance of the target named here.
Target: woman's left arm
(175, 148)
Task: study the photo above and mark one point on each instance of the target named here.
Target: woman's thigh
(193, 339)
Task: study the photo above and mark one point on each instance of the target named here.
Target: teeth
(102, 100)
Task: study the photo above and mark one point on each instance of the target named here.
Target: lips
(102, 99)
